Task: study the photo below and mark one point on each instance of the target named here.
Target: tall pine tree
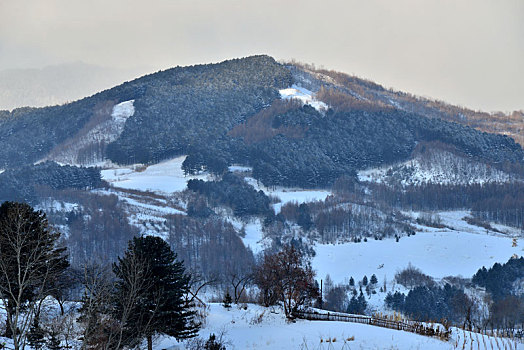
(150, 271)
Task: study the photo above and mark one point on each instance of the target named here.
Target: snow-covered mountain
(227, 161)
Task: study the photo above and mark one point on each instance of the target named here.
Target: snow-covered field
(165, 177)
(289, 195)
(437, 252)
(265, 328)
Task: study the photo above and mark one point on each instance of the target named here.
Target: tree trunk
(8, 331)
(150, 342)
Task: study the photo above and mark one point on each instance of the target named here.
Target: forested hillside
(176, 110)
(232, 112)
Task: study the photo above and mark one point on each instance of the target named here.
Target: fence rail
(413, 327)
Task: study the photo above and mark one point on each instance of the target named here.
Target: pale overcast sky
(468, 52)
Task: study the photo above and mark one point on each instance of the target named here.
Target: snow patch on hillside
(51, 204)
(304, 95)
(240, 169)
(122, 111)
(289, 195)
(105, 130)
(147, 211)
(164, 177)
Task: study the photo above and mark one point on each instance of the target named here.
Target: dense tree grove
(172, 102)
(19, 183)
(235, 193)
(189, 110)
(211, 246)
(431, 303)
(500, 279)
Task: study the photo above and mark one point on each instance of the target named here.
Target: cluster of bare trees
(261, 126)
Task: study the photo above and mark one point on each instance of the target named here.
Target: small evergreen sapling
(351, 281)
(227, 301)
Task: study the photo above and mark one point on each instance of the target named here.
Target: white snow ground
(287, 195)
(260, 328)
(165, 177)
(304, 95)
(437, 252)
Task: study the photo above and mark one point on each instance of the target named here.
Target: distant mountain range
(57, 84)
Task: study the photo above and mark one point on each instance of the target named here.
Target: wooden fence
(408, 326)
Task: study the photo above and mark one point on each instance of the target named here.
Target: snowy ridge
(435, 167)
(104, 132)
(304, 95)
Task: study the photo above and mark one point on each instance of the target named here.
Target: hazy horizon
(465, 52)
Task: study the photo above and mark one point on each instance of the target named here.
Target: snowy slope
(103, 132)
(304, 95)
(266, 328)
(436, 167)
(437, 252)
(164, 177)
(289, 195)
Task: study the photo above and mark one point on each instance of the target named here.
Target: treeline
(19, 184)
(234, 192)
(371, 93)
(335, 221)
(501, 280)
(230, 112)
(432, 303)
(499, 202)
(501, 308)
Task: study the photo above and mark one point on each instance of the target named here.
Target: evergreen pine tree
(35, 337)
(161, 307)
(373, 279)
(53, 342)
(365, 281)
(227, 301)
(351, 281)
(362, 304)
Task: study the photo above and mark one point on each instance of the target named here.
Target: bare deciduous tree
(30, 263)
(287, 277)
